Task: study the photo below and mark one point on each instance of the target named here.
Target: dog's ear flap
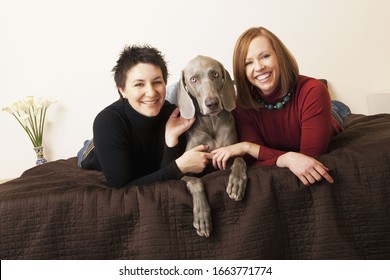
(186, 106)
(228, 91)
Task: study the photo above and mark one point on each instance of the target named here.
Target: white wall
(65, 50)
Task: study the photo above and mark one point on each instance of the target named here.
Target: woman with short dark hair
(140, 139)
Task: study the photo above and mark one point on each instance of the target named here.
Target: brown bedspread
(58, 211)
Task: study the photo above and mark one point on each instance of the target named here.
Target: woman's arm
(306, 168)
(222, 155)
(316, 132)
(316, 119)
(175, 127)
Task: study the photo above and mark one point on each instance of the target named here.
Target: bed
(58, 211)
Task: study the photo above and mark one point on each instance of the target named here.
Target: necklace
(279, 105)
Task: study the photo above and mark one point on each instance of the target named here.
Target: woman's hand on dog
(194, 160)
(176, 126)
(222, 155)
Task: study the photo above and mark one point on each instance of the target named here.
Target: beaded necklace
(278, 106)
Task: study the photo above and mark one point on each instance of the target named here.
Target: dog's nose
(212, 103)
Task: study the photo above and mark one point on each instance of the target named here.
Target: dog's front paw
(237, 180)
(201, 207)
(236, 187)
(202, 221)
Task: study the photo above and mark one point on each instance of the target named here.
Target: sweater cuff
(173, 171)
(268, 156)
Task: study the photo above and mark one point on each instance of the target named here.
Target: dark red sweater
(304, 125)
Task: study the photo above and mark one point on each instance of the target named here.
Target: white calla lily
(15, 107)
(47, 102)
(29, 100)
(8, 109)
(23, 106)
(30, 112)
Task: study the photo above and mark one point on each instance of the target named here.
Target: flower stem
(27, 131)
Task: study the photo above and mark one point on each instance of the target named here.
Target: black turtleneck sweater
(130, 148)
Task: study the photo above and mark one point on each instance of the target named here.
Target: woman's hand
(194, 160)
(175, 127)
(306, 168)
(222, 155)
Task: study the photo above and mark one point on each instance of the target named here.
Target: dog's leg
(201, 208)
(237, 179)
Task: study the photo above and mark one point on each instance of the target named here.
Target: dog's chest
(218, 131)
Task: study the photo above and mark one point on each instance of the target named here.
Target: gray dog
(206, 90)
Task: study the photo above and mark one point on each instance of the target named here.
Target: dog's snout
(212, 103)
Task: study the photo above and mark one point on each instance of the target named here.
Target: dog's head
(205, 86)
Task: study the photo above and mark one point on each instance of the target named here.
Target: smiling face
(145, 89)
(262, 66)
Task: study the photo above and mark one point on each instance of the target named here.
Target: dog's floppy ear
(171, 95)
(186, 106)
(228, 92)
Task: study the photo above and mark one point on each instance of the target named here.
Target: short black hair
(133, 55)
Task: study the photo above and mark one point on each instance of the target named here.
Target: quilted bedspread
(58, 211)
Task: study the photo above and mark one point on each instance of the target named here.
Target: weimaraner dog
(206, 90)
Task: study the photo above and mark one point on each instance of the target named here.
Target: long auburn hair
(289, 70)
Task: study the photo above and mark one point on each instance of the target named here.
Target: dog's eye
(215, 74)
(193, 80)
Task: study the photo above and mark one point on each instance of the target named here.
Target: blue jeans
(340, 111)
(84, 151)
